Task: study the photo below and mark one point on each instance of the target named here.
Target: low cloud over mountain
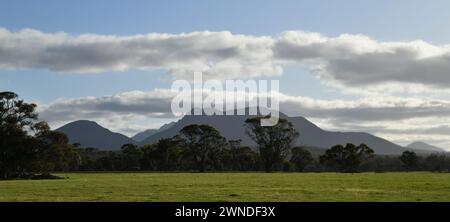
(408, 117)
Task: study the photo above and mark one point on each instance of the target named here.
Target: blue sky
(381, 20)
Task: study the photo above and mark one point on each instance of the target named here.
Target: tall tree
(203, 143)
(348, 158)
(16, 119)
(274, 142)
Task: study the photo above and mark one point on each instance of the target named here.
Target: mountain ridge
(425, 146)
(138, 137)
(91, 134)
(232, 127)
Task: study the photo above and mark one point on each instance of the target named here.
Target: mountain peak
(84, 122)
(425, 146)
(91, 134)
(418, 143)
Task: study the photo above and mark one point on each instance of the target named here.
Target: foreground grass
(232, 187)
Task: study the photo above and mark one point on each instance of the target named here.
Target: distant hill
(91, 134)
(142, 135)
(425, 146)
(232, 127)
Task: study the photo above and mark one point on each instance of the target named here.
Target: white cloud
(346, 60)
(358, 61)
(217, 54)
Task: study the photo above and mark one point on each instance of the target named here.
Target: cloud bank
(157, 104)
(217, 54)
(348, 60)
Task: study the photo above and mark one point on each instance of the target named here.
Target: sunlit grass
(419, 186)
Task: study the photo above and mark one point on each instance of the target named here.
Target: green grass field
(232, 187)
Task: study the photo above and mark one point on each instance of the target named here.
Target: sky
(374, 66)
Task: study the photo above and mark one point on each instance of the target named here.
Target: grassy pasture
(418, 186)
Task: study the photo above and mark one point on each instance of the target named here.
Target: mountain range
(90, 134)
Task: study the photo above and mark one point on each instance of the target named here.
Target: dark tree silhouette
(53, 153)
(274, 142)
(346, 159)
(410, 160)
(131, 157)
(436, 162)
(203, 144)
(22, 154)
(149, 160)
(167, 154)
(241, 158)
(301, 158)
(16, 119)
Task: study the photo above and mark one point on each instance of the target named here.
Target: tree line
(167, 155)
(28, 148)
